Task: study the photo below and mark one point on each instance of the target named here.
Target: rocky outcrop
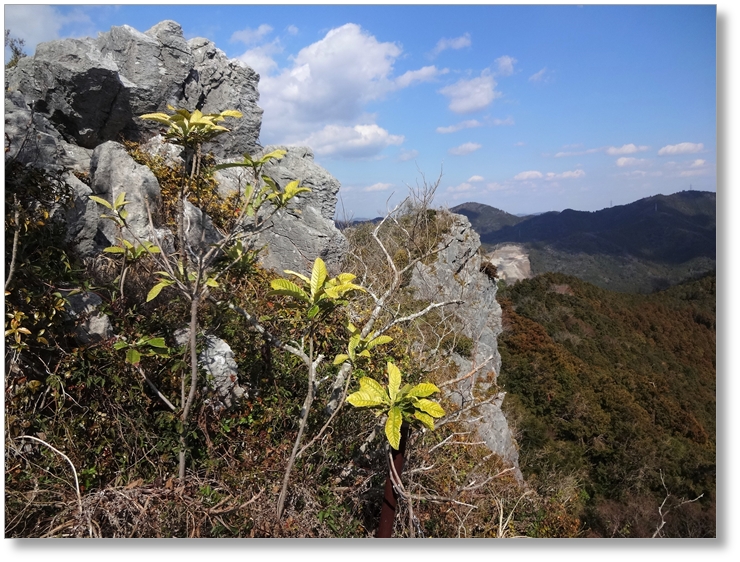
(92, 325)
(68, 104)
(298, 235)
(457, 275)
(93, 90)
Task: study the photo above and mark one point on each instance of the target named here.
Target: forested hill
(615, 394)
(486, 219)
(646, 245)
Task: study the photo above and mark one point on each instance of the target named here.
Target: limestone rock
(93, 325)
(457, 275)
(112, 172)
(306, 230)
(94, 90)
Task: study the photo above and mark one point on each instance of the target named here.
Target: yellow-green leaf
(318, 276)
(374, 389)
(380, 340)
(361, 399)
(114, 250)
(426, 419)
(430, 407)
(101, 201)
(157, 289)
(341, 358)
(393, 427)
(288, 288)
(422, 390)
(133, 356)
(394, 381)
(302, 277)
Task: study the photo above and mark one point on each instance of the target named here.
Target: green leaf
(157, 342)
(275, 154)
(362, 399)
(426, 419)
(120, 345)
(394, 381)
(380, 340)
(374, 388)
(114, 250)
(123, 213)
(341, 358)
(393, 427)
(211, 282)
(288, 288)
(430, 407)
(313, 311)
(422, 390)
(133, 356)
(157, 289)
(302, 277)
(318, 277)
(101, 201)
(120, 200)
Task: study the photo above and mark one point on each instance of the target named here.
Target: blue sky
(526, 108)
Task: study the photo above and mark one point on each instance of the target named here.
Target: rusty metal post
(390, 498)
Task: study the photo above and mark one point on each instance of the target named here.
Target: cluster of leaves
(618, 390)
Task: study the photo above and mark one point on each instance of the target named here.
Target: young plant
(408, 404)
(318, 296)
(358, 346)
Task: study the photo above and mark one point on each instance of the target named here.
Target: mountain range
(646, 245)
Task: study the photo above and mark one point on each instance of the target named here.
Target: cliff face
(457, 275)
(67, 107)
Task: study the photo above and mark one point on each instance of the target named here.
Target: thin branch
(155, 389)
(74, 471)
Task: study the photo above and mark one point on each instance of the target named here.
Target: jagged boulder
(92, 325)
(456, 275)
(93, 90)
(297, 236)
(112, 172)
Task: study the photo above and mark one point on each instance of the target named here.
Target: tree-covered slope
(616, 392)
(646, 245)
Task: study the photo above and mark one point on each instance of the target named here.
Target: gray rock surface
(93, 90)
(92, 325)
(512, 262)
(456, 275)
(217, 359)
(112, 172)
(306, 230)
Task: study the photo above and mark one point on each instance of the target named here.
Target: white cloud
(572, 174)
(425, 74)
(249, 36)
(378, 187)
(261, 58)
(530, 175)
(461, 188)
(520, 143)
(690, 173)
(473, 179)
(407, 155)
(329, 83)
(625, 149)
(37, 23)
(538, 76)
(500, 122)
(698, 163)
(630, 161)
(495, 186)
(577, 152)
(471, 95)
(456, 43)
(505, 65)
(681, 148)
(360, 141)
(464, 149)
(469, 124)
(292, 30)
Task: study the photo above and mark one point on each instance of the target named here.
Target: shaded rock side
(456, 275)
